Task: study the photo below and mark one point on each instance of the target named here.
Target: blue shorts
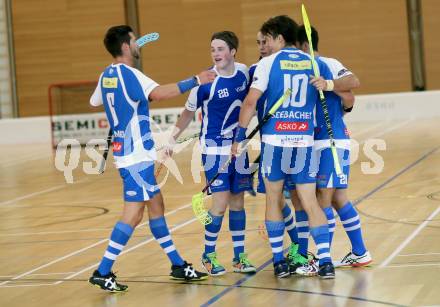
(236, 178)
(326, 177)
(139, 182)
(297, 164)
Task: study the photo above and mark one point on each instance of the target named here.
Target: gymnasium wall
(63, 41)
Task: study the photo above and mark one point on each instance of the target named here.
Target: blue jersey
(334, 105)
(124, 91)
(294, 122)
(220, 101)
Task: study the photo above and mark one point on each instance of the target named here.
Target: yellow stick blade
(199, 210)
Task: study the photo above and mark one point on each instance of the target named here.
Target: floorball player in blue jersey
(287, 138)
(332, 189)
(126, 94)
(220, 102)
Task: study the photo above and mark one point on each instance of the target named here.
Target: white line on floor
(408, 239)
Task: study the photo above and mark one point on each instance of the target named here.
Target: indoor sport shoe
(326, 271)
(211, 264)
(297, 261)
(281, 269)
(308, 269)
(186, 272)
(293, 251)
(107, 282)
(243, 265)
(353, 260)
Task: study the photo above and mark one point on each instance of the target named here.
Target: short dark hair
(281, 25)
(115, 37)
(228, 37)
(302, 37)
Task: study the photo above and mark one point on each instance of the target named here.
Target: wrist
(347, 109)
(240, 134)
(188, 84)
(330, 85)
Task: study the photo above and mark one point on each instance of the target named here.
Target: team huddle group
(295, 161)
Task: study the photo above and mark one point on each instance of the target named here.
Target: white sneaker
(352, 260)
(308, 269)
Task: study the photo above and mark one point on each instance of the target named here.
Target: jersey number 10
(298, 84)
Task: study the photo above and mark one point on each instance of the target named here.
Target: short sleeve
(147, 84)
(260, 79)
(193, 100)
(325, 71)
(337, 69)
(96, 98)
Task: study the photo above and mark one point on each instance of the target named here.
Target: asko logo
(117, 146)
(291, 126)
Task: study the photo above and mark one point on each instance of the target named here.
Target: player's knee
(324, 197)
(339, 199)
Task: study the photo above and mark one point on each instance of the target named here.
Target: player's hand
(235, 149)
(207, 76)
(319, 83)
(169, 147)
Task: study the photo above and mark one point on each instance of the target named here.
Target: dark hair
(228, 37)
(302, 37)
(115, 37)
(281, 25)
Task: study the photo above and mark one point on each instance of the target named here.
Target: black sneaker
(186, 272)
(281, 269)
(107, 282)
(326, 271)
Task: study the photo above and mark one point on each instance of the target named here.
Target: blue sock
(118, 239)
(211, 232)
(160, 231)
(321, 237)
(275, 231)
(352, 225)
(302, 226)
(290, 225)
(331, 222)
(237, 225)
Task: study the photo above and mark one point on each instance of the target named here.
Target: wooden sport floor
(53, 234)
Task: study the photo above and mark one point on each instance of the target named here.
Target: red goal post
(71, 115)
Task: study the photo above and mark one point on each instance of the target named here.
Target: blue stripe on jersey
(334, 106)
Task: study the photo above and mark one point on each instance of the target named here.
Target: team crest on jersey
(241, 88)
(110, 82)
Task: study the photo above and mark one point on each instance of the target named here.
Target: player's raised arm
(172, 90)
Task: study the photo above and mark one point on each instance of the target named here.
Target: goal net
(71, 115)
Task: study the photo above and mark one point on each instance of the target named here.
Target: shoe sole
(210, 274)
(327, 277)
(192, 279)
(111, 291)
(248, 271)
(284, 275)
(353, 265)
(307, 274)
